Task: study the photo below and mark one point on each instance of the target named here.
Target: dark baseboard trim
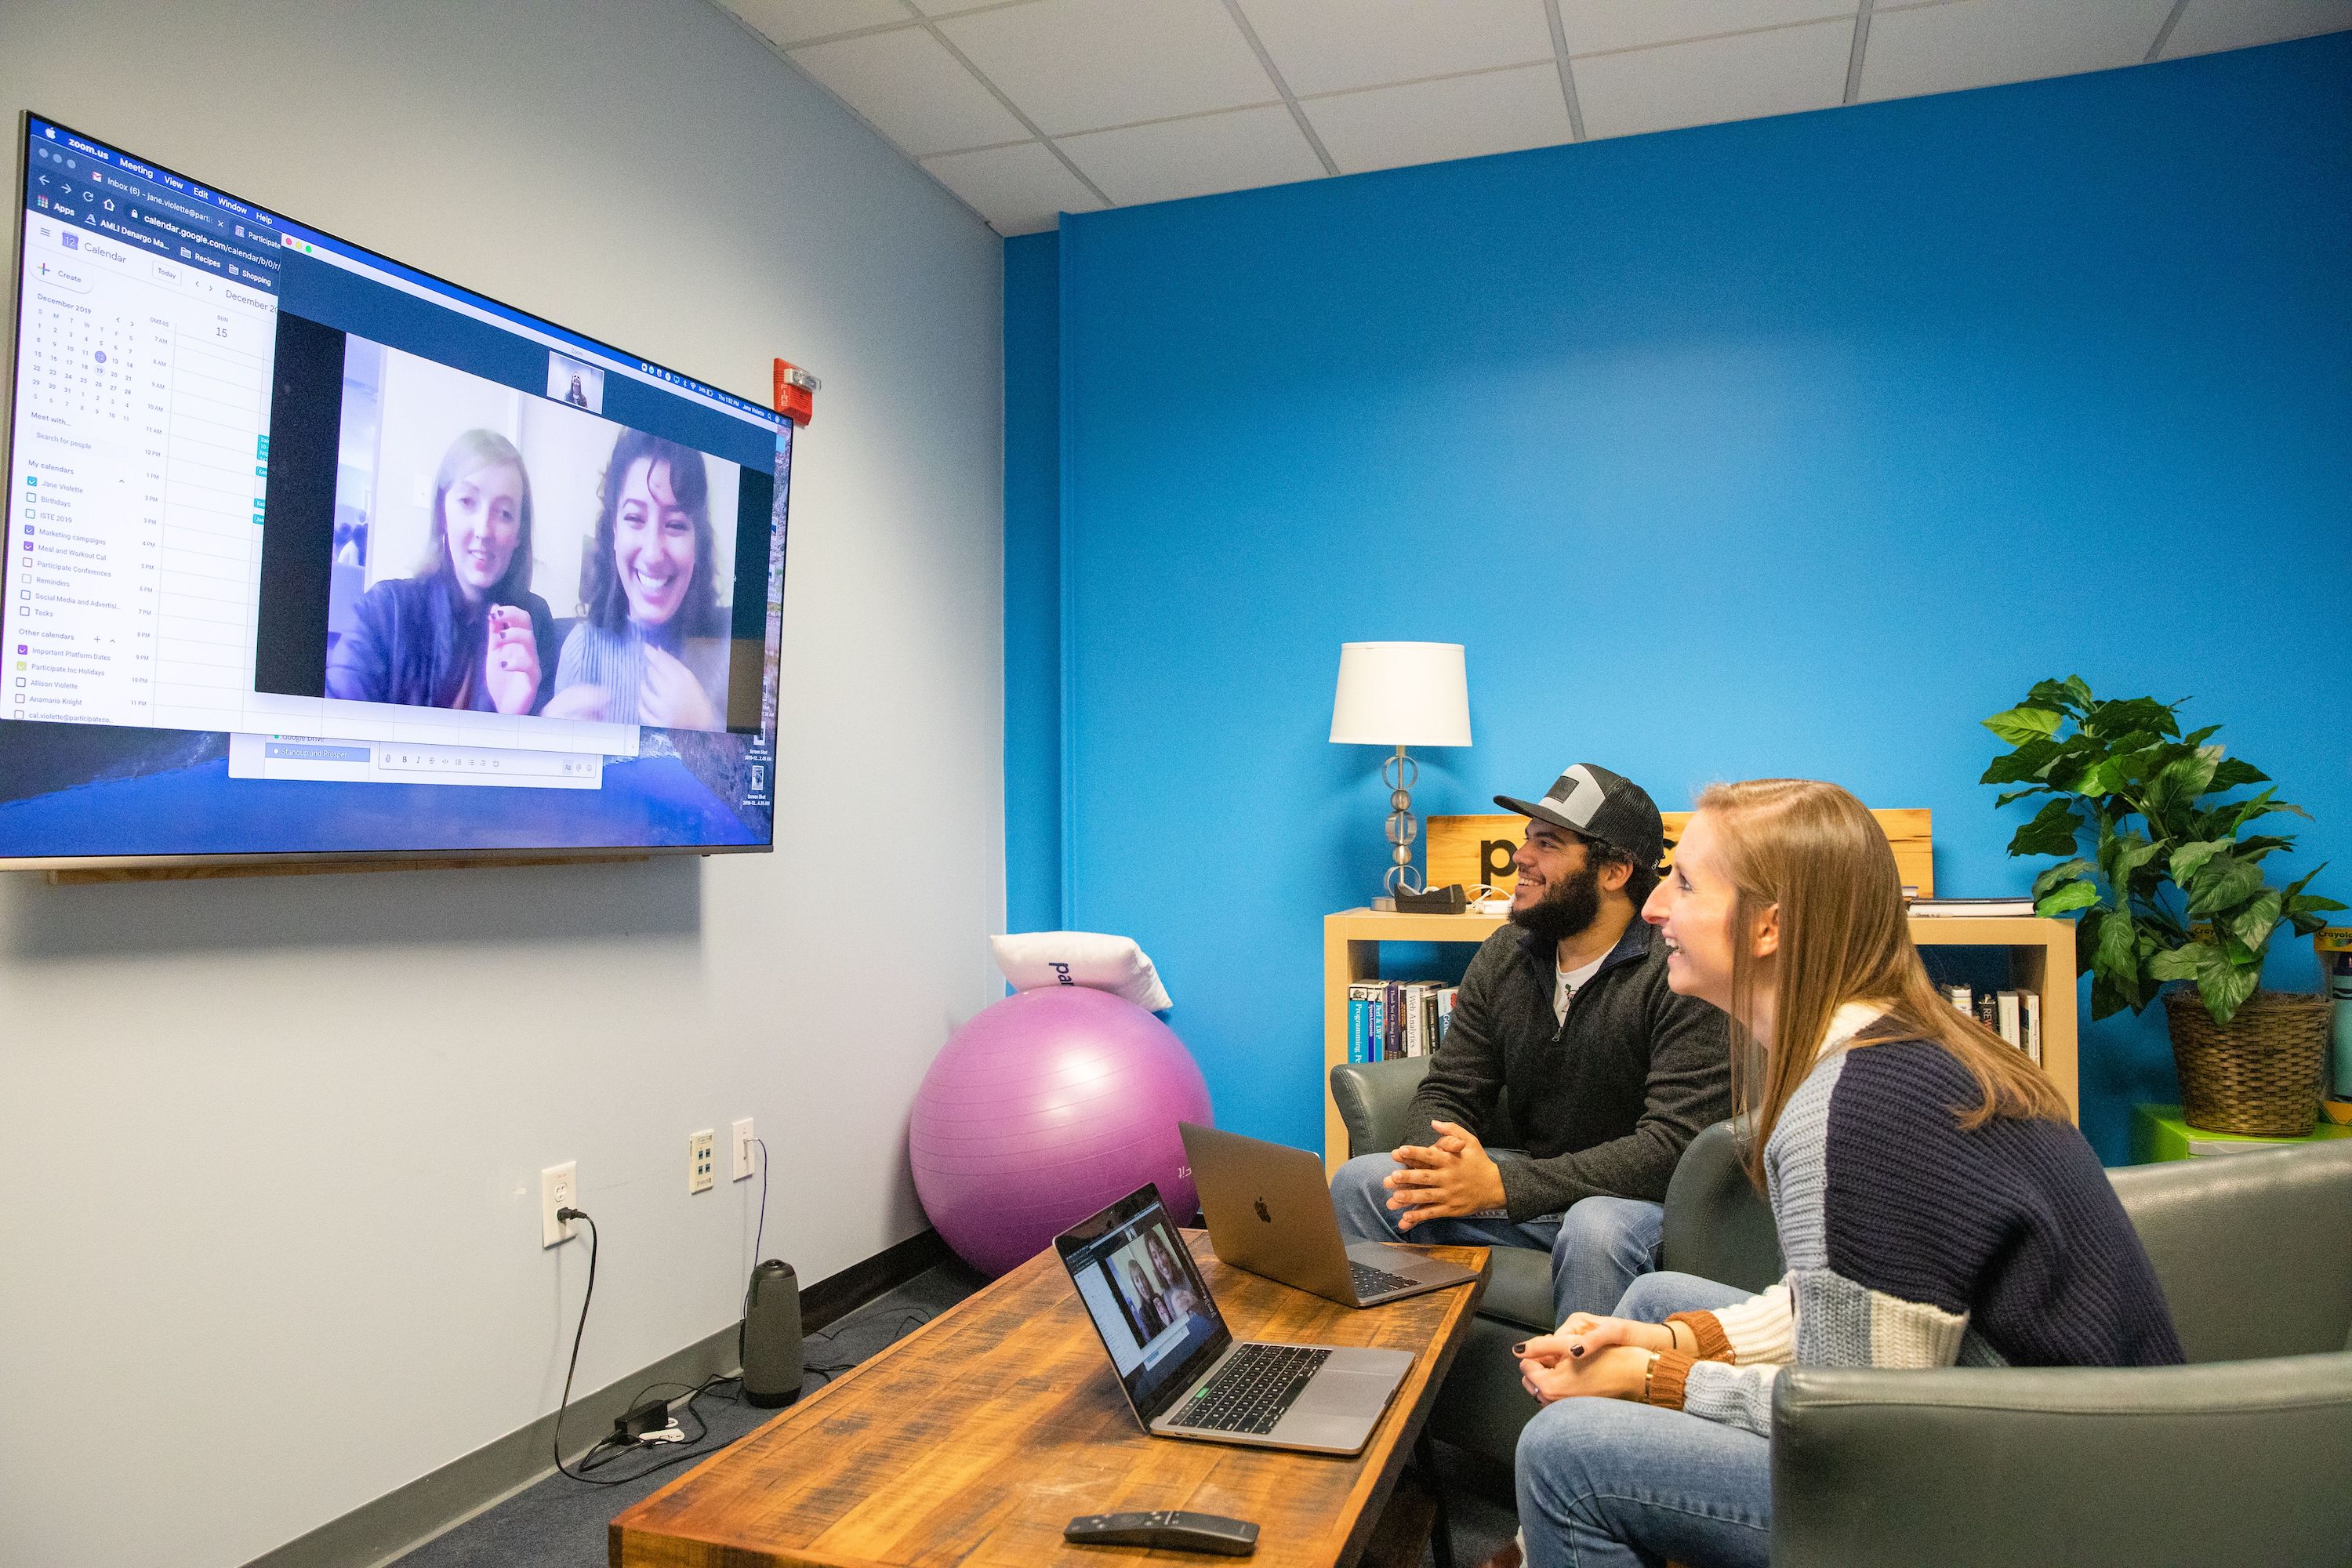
(405, 1517)
(830, 1298)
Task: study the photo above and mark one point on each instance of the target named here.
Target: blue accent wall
(1788, 446)
(1033, 585)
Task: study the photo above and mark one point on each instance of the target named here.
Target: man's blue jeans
(1598, 1247)
(1608, 1483)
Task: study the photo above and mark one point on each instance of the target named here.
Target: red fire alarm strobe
(795, 392)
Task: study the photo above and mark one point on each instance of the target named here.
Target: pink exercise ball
(1044, 1109)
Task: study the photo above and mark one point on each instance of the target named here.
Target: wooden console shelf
(2041, 954)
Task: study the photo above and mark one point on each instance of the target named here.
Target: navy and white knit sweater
(1910, 1243)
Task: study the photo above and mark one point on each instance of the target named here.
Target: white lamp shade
(1401, 694)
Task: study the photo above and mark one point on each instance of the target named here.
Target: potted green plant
(2171, 889)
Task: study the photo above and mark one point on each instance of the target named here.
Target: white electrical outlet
(558, 1188)
(743, 1149)
(701, 1155)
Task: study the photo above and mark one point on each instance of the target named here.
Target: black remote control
(1176, 1531)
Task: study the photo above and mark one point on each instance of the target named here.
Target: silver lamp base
(1401, 772)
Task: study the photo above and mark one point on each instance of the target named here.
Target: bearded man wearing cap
(1566, 1015)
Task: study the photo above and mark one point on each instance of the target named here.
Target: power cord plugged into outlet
(652, 1423)
(647, 1423)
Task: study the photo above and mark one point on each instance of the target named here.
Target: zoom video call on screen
(308, 551)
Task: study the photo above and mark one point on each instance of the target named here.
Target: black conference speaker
(771, 1336)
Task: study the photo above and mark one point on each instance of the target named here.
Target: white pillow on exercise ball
(1033, 960)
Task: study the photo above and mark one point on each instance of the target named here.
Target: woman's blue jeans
(1608, 1483)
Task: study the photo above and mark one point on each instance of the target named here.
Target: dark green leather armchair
(2244, 1456)
(1715, 1227)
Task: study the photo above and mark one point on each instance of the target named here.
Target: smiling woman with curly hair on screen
(650, 649)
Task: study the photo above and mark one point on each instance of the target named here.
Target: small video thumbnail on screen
(505, 552)
(1153, 1290)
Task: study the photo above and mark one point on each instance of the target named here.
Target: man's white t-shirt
(1571, 981)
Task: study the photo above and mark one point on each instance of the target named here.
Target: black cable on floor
(589, 1460)
(910, 1319)
(597, 1459)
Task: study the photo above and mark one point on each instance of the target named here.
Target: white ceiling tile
(795, 21)
(1195, 157)
(912, 90)
(1977, 43)
(1430, 122)
(2209, 24)
(1082, 65)
(1329, 45)
(1744, 77)
(1019, 190)
(949, 7)
(1592, 26)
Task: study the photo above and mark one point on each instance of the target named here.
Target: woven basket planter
(2257, 1075)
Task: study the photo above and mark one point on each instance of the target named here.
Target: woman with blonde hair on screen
(1175, 1294)
(1936, 1206)
(466, 631)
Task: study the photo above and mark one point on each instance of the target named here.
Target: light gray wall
(269, 1149)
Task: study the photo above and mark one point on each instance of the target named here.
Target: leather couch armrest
(2227, 1462)
(2254, 1251)
(1372, 1097)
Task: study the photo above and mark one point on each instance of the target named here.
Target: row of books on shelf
(1397, 1018)
(2014, 1015)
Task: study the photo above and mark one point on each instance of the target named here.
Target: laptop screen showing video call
(1148, 1301)
(298, 533)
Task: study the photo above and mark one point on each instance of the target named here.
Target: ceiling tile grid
(1334, 46)
(1024, 188)
(1089, 65)
(1604, 26)
(1453, 117)
(1741, 76)
(913, 90)
(1200, 155)
(1025, 110)
(1975, 42)
(2211, 25)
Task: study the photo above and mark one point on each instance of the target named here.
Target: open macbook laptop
(1182, 1371)
(1269, 1210)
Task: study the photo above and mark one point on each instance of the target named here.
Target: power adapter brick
(650, 1416)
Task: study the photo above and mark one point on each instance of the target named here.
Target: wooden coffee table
(973, 1440)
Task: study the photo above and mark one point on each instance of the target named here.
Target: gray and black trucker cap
(1598, 803)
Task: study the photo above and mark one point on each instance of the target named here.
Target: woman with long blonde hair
(1936, 1205)
(466, 631)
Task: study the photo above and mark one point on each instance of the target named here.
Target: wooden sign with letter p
(1474, 850)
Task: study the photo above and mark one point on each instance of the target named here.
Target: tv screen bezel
(111, 868)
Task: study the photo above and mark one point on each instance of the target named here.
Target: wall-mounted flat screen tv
(311, 554)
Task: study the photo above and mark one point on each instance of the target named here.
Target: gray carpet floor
(560, 1523)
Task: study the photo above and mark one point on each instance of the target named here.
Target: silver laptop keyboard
(1252, 1390)
(1370, 1281)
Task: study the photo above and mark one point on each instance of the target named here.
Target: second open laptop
(1269, 1210)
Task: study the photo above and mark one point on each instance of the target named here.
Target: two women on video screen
(467, 631)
